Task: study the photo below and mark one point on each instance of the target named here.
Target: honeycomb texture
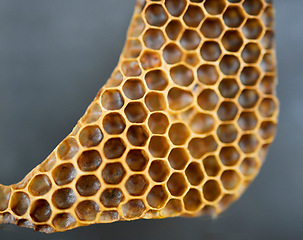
(181, 128)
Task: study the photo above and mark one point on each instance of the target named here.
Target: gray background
(56, 54)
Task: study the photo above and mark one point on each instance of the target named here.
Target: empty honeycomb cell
(136, 112)
(114, 81)
(155, 15)
(64, 221)
(182, 75)
(248, 143)
(154, 39)
(112, 100)
(40, 211)
(158, 171)
(173, 29)
(172, 208)
(232, 40)
(268, 39)
(179, 99)
(156, 80)
(249, 75)
(178, 133)
(233, 16)
(92, 114)
(211, 166)
(230, 179)
(89, 161)
(192, 59)
(178, 158)
(111, 197)
(150, 59)
(113, 173)
(211, 27)
(248, 121)
(252, 29)
(193, 16)
(48, 164)
(68, 149)
(229, 156)
(248, 98)
(24, 223)
(132, 48)
(229, 88)
(157, 197)
(113, 123)
(158, 146)
(202, 123)
(253, 7)
(208, 74)
(267, 107)
(87, 210)
(175, 7)
(40, 185)
(44, 228)
(177, 184)
(137, 159)
(193, 200)
(267, 85)
(109, 216)
(229, 65)
(133, 208)
(155, 101)
(211, 190)
(158, 123)
(190, 40)
(214, 7)
(134, 89)
(90, 136)
(64, 198)
(114, 148)
(268, 62)
(137, 28)
(5, 193)
(137, 135)
(136, 185)
(64, 174)
(227, 111)
(268, 16)
(210, 51)
(249, 166)
(251, 53)
(88, 185)
(172, 54)
(227, 133)
(267, 129)
(194, 174)
(200, 146)
(226, 201)
(131, 68)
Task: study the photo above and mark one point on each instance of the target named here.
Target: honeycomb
(181, 128)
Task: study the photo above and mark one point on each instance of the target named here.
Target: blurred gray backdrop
(54, 57)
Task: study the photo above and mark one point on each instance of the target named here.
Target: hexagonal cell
(67, 149)
(193, 16)
(192, 59)
(190, 40)
(156, 80)
(173, 29)
(200, 146)
(49, 163)
(40, 185)
(135, 112)
(64, 198)
(109, 216)
(192, 200)
(248, 143)
(253, 7)
(179, 99)
(92, 114)
(229, 65)
(155, 15)
(202, 123)
(133, 208)
(268, 129)
(211, 28)
(249, 75)
(19, 203)
(178, 158)
(175, 7)
(40, 211)
(227, 133)
(132, 48)
(150, 59)
(154, 39)
(89, 161)
(137, 135)
(249, 166)
(229, 156)
(113, 123)
(248, 121)
(227, 111)
(155, 101)
(90, 136)
(87, 210)
(172, 208)
(268, 62)
(64, 221)
(113, 173)
(44, 228)
(112, 100)
(194, 174)
(268, 40)
(229, 87)
(157, 197)
(158, 146)
(251, 53)
(267, 107)
(137, 159)
(158, 123)
(177, 184)
(210, 51)
(172, 53)
(115, 80)
(158, 171)
(136, 185)
(211, 190)
(252, 29)
(208, 74)
(178, 133)
(232, 40)
(111, 197)
(211, 166)
(233, 16)
(230, 179)
(114, 148)
(268, 84)
(182, 75)
(5, 193)
(248, 98)
(214, 7)
(134, 89)
(64, 174)
(88, 185)
(268, 17)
